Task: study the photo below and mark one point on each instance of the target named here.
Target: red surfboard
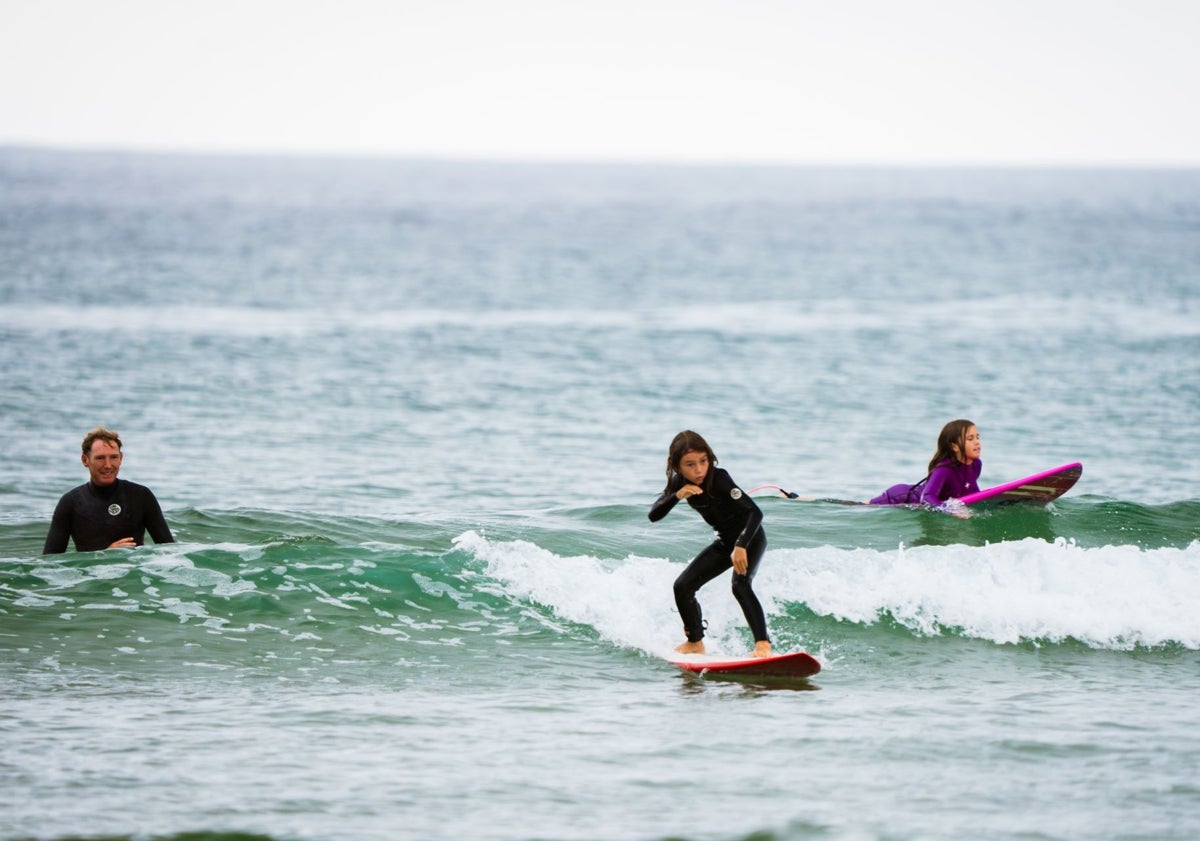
(795, 664)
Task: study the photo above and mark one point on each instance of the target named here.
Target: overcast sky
(1076, 82)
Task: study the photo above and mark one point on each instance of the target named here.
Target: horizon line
(580, 159)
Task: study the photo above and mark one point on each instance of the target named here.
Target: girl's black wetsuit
(738, 522)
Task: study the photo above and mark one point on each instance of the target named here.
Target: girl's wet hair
(952, 436)
(682, 444)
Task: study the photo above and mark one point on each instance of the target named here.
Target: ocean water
(406, 419)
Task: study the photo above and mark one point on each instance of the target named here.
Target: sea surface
(406, 419)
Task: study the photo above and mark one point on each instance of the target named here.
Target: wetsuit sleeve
(156, 523)
(60, 528)
(754, 518)
(666, 500)
(935, 485)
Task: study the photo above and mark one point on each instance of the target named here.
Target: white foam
(1108, 597)
(1114, 597)
(628, 602)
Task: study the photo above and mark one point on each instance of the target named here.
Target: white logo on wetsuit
(736, 493)
(114, 509)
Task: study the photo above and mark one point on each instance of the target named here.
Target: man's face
(103, 462)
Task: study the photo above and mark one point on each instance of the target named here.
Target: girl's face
(971, 447)
(694, 467)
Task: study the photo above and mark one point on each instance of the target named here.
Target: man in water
(106, 512)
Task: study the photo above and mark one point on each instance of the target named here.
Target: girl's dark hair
(953, 435)
(682, 444)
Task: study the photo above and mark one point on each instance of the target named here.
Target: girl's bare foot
(691, 647)
(762, 648)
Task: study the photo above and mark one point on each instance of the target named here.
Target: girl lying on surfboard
(953, 470)
(692, 474)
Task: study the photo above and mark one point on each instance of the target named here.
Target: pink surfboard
(795, 664)
(1040, 487)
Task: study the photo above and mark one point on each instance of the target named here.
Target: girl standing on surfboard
(692, 474)
(953, 470)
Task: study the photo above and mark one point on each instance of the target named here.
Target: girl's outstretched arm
(667, 500)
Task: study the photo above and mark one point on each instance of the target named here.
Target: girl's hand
(123, 543)
(955, 508)
(740, 561)
(688, 490)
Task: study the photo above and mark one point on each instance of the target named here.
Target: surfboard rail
(791, 664)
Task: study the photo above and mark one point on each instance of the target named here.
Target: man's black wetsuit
(96, 517)
(738, 522)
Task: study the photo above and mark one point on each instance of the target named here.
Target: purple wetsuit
(949, 480)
